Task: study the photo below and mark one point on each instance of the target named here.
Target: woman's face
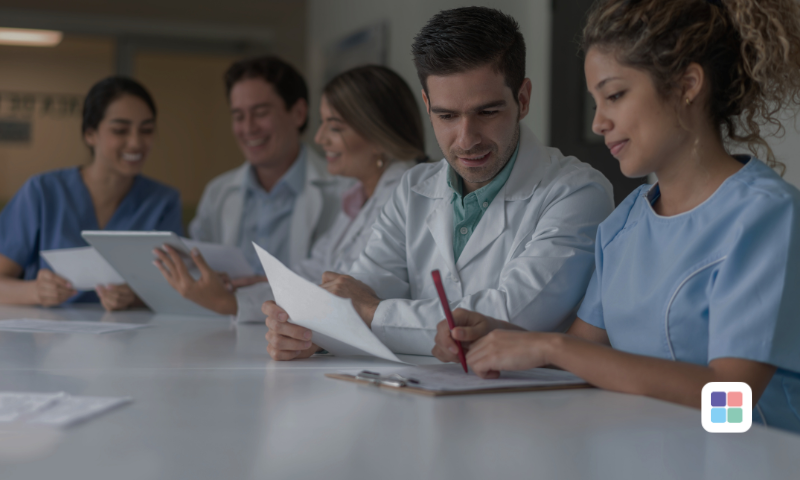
(124, 136)
(640, 128)
(347, 153)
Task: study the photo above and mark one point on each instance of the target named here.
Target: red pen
(437, 280)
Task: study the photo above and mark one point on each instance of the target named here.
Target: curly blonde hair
(749, 49)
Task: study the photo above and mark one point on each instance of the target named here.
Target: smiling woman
(51, 209)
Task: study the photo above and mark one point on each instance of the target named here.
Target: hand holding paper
(336, 325)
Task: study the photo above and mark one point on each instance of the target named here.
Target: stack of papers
(53, 409)
(35, 325)
(83, 267)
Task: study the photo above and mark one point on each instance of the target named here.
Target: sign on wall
(19, 109)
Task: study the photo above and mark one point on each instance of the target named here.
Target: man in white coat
(282, 197)
(508, 222)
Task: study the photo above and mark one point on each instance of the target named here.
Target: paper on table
(451, 378)
(222, 258)
(54, 409)
(83, 267)
(336, 325)
(63, 326)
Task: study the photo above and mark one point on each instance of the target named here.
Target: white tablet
(131, 255)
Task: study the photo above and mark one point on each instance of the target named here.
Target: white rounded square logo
(727, 407)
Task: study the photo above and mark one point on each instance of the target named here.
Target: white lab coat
(335, 251)
(528, 261)
(219, 214)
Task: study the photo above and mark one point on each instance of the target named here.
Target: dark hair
(106, 91)
(379, 105)
(287, 81)
(749, 50)
(461, 39)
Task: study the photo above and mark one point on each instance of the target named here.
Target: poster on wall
(18, 110)
(368, 45)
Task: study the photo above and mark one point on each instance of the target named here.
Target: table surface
(209, 403)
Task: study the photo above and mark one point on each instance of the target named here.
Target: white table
(210, 404)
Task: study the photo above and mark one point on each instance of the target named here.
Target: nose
(319, 137)
(468, 133)
(134, 140)
(600, 123)
(250, 125)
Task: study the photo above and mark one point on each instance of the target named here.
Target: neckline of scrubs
(93, 215)
(654, 193)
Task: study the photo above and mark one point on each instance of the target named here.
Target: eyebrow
(258, 105)
(125, 121)
(604, 81)
(485, 106)
(334, 119)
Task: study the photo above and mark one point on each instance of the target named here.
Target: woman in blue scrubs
(51, 209)
(696, 277)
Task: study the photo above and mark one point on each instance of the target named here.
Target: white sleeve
(249, 300)
(540, 288)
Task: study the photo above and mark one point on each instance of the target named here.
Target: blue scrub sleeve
(591, 310)
(172, 220)
(754, 304)
(19, 225)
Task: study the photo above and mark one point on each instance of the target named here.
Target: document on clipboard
(449, 379)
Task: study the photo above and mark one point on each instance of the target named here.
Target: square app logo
(727, 407)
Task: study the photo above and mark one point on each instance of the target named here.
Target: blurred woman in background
(51, 209)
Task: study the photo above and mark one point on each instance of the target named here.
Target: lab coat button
(485, 204)
(464, 230)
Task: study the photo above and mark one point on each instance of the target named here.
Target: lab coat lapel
(440, 224)
(307, 209)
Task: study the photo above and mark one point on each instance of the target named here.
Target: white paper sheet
(451, 377)
(222, 258)
(83, 267)
(53, 409)
(336, 325)
(35, 325)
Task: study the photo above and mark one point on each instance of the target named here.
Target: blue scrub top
(51, 210)
(720, 280)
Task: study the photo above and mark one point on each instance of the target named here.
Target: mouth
(256, 142)
(332, 156)
(616, 147)
(132, 157)
(474, 160)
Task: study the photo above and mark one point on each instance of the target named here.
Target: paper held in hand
(336, 325)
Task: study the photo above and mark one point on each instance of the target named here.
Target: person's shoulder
(154, 187)
(618, 219)
(571, 170)
(225, 179)
(53, 181)
(423, 171)
(758, 186)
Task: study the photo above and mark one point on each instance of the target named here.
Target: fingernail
(283, 317)
(307, 345)
(453, 350)
(307, 336)
(195, 251)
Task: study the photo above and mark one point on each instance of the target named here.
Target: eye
(487, 113)
(616, 96)
(117, 131)
(147, 130)
(445, 116)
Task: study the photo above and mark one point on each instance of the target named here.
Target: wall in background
(330, 21)
(70, 68)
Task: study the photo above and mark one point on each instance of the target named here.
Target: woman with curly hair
(696, 277)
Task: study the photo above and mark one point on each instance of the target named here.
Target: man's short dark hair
(287, 81)
(461, 39)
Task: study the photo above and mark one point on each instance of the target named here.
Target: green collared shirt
(468, 210)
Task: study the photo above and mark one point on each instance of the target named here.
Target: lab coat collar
(531, 165)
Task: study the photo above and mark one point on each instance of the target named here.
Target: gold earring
(688, 101)
(380, 161)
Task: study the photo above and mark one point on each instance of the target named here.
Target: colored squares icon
(727, 407)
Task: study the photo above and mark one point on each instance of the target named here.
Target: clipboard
(404, 384)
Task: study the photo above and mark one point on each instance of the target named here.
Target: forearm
(604, 367)
(14, 291)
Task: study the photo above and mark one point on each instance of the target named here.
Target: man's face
(266, 131)
(476, 121)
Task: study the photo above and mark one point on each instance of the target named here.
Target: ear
(299, 112)
(692, 82)
(524, 98)
(90, 137)
(427, 102)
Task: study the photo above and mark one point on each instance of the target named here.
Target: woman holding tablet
(696, 277)
(51, 209)
(372, 132)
